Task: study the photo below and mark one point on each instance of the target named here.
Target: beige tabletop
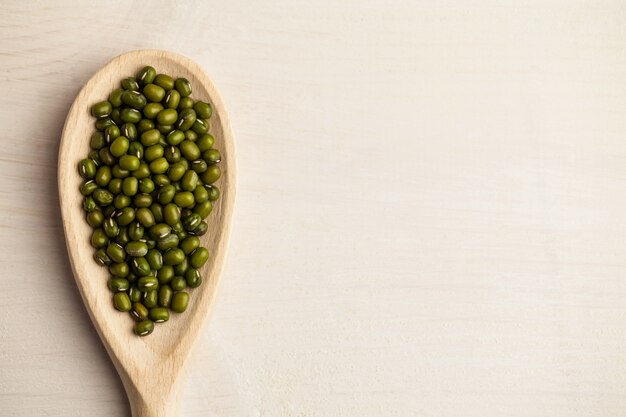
(430, 219)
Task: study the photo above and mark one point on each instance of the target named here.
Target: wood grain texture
(150, 367)
(430, 207)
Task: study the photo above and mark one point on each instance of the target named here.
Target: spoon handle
(154, 403)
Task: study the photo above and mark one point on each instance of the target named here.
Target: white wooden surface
(431, 214)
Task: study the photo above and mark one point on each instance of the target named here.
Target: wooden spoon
(150, 367)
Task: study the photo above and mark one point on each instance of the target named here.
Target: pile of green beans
(149, 185)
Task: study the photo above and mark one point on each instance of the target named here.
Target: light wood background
(430, 220)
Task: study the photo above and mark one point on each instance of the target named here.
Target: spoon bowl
(151, 368)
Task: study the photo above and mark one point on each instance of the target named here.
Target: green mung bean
(149, 184)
